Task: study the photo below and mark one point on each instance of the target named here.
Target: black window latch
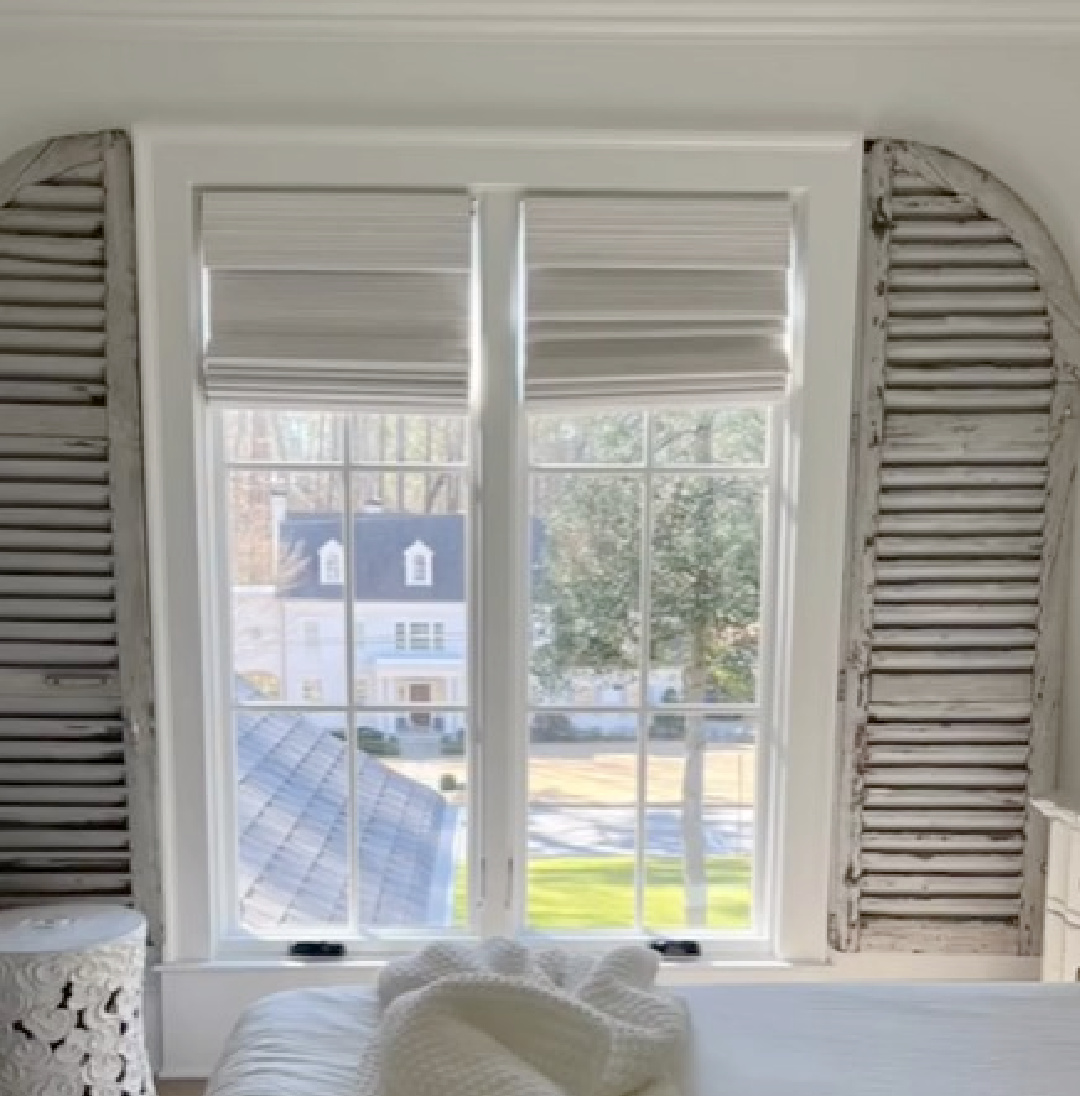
(677, 949)
(317, 949)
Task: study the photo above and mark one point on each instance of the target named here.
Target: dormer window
(332, 564)
(418, 558)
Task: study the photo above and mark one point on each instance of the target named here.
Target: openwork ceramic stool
(71, 981)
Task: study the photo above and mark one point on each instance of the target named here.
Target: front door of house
(420, 693)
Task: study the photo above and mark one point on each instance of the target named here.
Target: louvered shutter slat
(61, 196)
(68, 774)
(58, 273)
(951, 254)
(80, 750)
(956, 458)
(51, 249)
(939, 756)
(954, 863)
(983, 377)
(52, 292)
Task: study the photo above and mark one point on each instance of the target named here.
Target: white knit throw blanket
(501, 1019)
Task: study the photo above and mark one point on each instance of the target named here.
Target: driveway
(609, 831)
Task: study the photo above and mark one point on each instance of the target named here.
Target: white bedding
(502, 1019)
(769, 1040)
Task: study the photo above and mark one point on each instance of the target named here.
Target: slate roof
(380, 541)
(293, 840)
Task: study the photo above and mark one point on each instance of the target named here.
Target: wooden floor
(180, 1088)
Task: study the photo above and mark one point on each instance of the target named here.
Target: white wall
(1011, 106)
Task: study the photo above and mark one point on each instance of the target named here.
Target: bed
(974, 1039)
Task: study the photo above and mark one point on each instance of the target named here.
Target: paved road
(609, 831)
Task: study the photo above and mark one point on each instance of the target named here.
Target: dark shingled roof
(380, 542)
(293, 841)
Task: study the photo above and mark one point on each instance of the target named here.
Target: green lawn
(597, 893)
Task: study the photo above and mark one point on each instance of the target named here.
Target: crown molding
(382, 20)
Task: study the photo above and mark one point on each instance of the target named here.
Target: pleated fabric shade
(656, 298)
(338, 295)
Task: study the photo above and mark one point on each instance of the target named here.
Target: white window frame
(418, 552)
(821, 172)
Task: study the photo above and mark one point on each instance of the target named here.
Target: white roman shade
(656, 298)
(337, 295)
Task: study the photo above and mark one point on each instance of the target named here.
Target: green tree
(704, 579)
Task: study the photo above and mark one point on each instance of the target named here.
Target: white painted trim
(202, 1002)
(867, 20)
(823, 173)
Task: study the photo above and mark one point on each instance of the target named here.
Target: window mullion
(498, 557)
(644, 664)
(352, 744)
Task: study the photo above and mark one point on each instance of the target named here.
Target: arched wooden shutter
(963, 458)
(76, 809)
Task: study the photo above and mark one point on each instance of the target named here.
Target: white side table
(71, 982)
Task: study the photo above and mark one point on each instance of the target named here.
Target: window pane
(290, 437)
(583, 791)
(292, 821)
(586, 564)
(699, 823)
(433, 493)
(411, 806)
(705, 588)
(409, 439)
(402, 624)
(727, 435)
(587, 439)
(287, 575)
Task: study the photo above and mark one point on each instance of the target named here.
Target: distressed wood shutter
(76, 816)
(963, 459)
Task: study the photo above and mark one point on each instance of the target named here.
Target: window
(650, 572)
(420, 635)
(311, 690)
(687, 618)
(331, 563)
(541, 625)
(418, 570)
(321, 464)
